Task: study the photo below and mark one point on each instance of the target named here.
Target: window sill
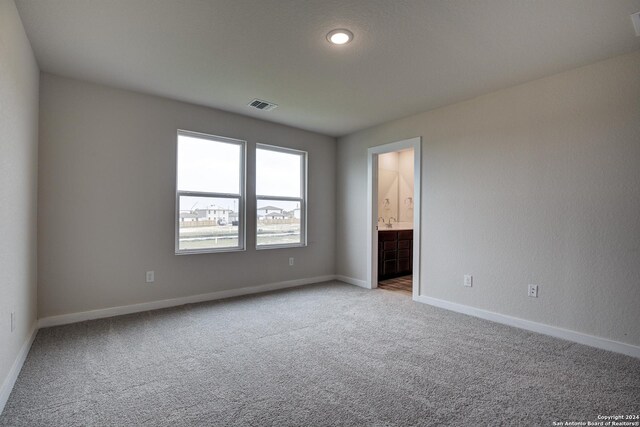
(285, 246)
(209, 251)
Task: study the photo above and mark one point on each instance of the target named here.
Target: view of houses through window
(280, 188)
(208, 223)
(278, 222)
(210, 195)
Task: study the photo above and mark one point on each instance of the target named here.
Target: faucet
(389, 225)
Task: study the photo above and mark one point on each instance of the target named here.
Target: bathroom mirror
(395, 190)
(388, 194)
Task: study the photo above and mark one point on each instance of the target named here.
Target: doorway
(394, 177)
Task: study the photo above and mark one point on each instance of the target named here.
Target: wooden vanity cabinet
(395, 253)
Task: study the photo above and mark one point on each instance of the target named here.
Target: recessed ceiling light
(340, 36)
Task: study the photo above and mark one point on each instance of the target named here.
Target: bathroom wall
(405, 181)
(395, 186)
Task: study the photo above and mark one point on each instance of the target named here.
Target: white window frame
(241, 196)
(302, 199)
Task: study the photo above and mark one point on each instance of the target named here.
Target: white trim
(12, 376)
(541, 328)
(372, 220)
(154, 305)
(372, 207)
(353, 281)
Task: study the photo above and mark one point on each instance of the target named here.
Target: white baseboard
(566, 334)
(12, 376)
(65, 319)
(352, 281)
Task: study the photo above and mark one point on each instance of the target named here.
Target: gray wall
(18, 184)
(538, 183)
(107, 196)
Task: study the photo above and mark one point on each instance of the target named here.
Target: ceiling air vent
(262, 105)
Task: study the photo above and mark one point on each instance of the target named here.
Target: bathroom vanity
(395, 253)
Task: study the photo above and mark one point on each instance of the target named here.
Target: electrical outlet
(533, 291)
(291, 260)
(151, 276)
(13, 321)
(468, 280)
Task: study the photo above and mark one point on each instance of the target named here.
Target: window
(210, 193)
(280, 197)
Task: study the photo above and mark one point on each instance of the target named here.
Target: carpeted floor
(328, 354)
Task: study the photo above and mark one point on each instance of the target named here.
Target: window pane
(208, 223)
(208, 166)
(278, 222)
(277, 173)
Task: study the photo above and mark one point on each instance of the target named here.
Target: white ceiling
(407, 56)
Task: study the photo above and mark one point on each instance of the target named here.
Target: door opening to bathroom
(394, 194)
(395, 221)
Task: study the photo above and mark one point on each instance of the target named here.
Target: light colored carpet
(328, 354)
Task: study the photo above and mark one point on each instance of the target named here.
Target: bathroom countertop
(395, 226)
